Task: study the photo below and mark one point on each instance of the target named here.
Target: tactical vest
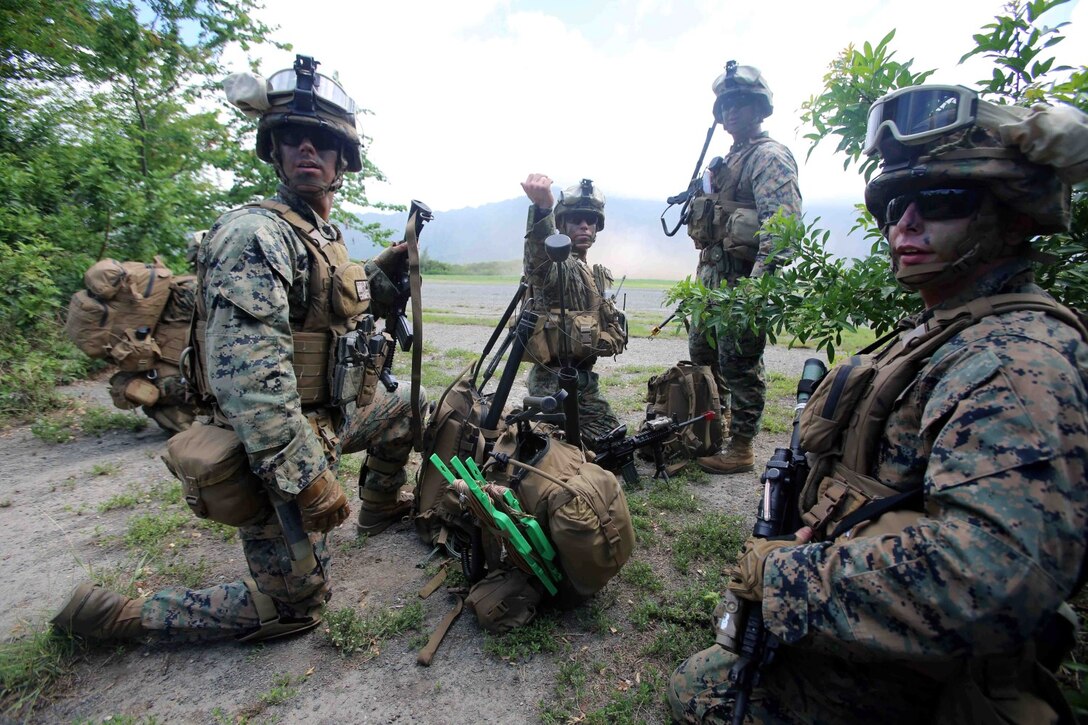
(339, 295)
(728, 214)
(844, 420)
(600, 329)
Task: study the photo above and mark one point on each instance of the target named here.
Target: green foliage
(281, 691)
(539, 636)
(639, 574)
(350, 632)
(29, 666)
(632, 704)
(715, 540)
(148, 532)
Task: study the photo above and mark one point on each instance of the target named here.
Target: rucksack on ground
(136, 315)
(682, 392)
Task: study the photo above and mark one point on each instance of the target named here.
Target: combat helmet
(297, 96)
(741, 84)
(584, 197)
(934, 137)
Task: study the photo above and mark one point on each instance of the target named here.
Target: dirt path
(64, 512)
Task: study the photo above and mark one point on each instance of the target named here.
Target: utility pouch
(350, 291)
(833, 403)
(706, 223)
(504, 600)
(740, 234)
(584, 332)
(348, 367)
(129, 391)
(543, 343)
(136, 351)
(216, 480)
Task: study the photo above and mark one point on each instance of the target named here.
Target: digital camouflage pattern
(995, 429)
(256, 275)
(768, 178)
(595, 416)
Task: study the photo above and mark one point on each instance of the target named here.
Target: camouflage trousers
(228, 610)
(804, 686)
(737, 363)
(595, 416)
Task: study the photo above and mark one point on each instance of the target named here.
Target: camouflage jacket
(256, 275)
(994, 429)
(580, 284)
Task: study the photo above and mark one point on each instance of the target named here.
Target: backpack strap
(427, 653)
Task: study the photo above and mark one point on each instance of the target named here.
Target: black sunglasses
(322, 139)
(579, 217)
(935, 204)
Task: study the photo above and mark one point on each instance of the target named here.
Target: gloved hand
(746, 576)
(323, 504)
(390, 257)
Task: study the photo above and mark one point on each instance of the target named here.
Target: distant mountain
(631, 243)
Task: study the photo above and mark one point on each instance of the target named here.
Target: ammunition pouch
(581, 329)
(356, 361)
(216, 480)
(504, 600)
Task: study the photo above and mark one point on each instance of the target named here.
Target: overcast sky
(467, 97)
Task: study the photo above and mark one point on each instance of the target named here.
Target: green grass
(349, 632)
(641, 575)
(125, 500)
(631, 704)
(30, 666)
(671, 495)
(539, 636)
(98, 420)
(714, 540)
(55, 428)
(150, 532)
(281, 691)
(105, 469)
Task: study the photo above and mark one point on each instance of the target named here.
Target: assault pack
(136, 315)
(682, 392)
(529, 518)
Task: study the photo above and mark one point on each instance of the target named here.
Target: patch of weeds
(641, 575)
(187, 574)
(460, 356)
(121, 501)
(122, 578)
(570, 685)
(596, 618)
(98, 420)
(419, 641)
(350, 465)
(644, 529)
(57, 428)
(675, 643)
(349, 632)
(715, 539)
(671, 495)
(537, 637)
(281, 691)
(149, 531)
(105, 469)
(223, 532)
(29, 667)
(695, 476)
(781, 396)
(633, 703)
(168, 491)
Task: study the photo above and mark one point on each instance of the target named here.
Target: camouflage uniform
(895, 627)
(256, 276)
(580, 292)
(767, 178)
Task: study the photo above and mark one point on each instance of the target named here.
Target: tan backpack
(682, 392)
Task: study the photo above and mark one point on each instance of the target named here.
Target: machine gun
(738, 622)
(616, 452)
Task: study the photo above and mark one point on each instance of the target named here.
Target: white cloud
(469, 97)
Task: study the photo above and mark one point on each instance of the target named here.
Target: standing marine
(593, 327)
(740, 192)
(946, 513)
(285, 347)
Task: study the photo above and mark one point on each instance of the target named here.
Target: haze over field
(631, 243)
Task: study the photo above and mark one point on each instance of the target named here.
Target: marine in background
(593, 327)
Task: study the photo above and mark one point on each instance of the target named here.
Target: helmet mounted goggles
(919, 114)
(309, 90)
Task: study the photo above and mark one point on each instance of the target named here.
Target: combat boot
(380, 509)
(736, 458)
(98, 613)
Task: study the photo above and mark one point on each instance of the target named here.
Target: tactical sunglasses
(578, 217)
(935, 204)
(321, 138)
(919, 114)
(325, 89)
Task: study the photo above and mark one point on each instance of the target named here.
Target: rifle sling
(414, 283)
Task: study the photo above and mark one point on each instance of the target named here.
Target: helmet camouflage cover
(585, 197)
(297, 96)
(741, 84)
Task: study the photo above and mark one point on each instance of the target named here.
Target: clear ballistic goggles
(325, 90)
(919, 114)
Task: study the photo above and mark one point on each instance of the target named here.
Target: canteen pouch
(503, 600)
(134, 355)
(741, 230)
(706, 223)
(216, 480)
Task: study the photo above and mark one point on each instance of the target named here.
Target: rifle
(694, 186)
(617, 453)
(661, 325)
(778, 515)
